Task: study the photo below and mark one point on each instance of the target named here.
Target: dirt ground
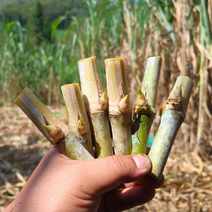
(188, 184)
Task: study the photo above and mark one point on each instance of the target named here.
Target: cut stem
(172, 116)
(96, 103)
(145, 103)
(77, 115)
(51, 127)
(119, 105)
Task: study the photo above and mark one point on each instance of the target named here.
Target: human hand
(112, 183)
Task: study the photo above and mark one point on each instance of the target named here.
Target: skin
(112, 183)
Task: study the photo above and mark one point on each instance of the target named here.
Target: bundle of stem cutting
(145, 102)
(96, 103)
(172, 116)
(77, 115)
(119, 105)
(51, 127)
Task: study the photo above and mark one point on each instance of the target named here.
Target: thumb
(104, 174)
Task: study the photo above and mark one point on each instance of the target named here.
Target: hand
(112, 183)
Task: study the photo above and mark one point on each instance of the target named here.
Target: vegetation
(22, 10)
(179, 31)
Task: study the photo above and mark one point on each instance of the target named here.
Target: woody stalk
(120, 110)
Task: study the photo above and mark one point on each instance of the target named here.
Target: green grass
(11, 1)
(60, 34)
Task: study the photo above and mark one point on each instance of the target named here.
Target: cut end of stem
(151, 78)
(76, 112)
(91, 85)
(39, 114)
(117, 87)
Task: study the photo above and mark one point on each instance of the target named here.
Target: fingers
(120, 200)
(104, 174)
(107, 173)
(145, 181)
(148, 181)
(99, 176)
(132, 194)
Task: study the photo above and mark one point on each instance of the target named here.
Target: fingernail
(142, 161)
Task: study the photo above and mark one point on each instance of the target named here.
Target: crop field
(43, 57)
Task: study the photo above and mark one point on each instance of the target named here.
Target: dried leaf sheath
(173, 114)
(119, 105)
(41, 116)
(77, 115)
(96, 104)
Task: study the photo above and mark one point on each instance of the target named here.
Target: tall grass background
(177, 30)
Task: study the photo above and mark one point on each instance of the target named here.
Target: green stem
(102, 137)
(173, 114)
(164, 138)
(141, 136)
(145, 102)
(121, 129)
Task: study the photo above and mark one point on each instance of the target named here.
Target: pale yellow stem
(120, 109)
(96, 104)
(77, 115)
